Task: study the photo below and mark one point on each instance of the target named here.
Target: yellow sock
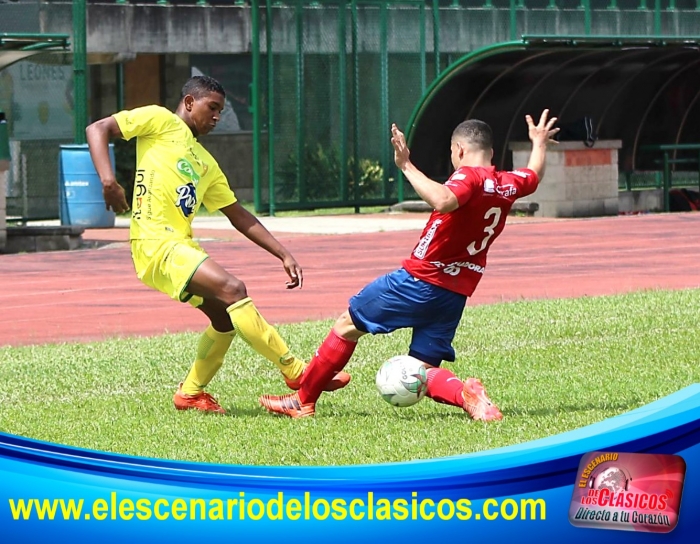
(264, 339)
(211, 350)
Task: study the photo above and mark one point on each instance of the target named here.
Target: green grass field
(551, 365)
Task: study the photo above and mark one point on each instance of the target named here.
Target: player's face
(205, 112)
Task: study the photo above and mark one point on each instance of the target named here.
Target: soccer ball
(402, 381)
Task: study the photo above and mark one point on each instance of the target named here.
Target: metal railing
(669, 161)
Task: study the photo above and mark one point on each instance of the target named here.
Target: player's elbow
(103, 128)
(95, 130)
(447, 203)
(444, 208)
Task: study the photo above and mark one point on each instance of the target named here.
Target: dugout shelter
(643, 91)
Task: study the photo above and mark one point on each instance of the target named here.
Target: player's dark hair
(198, 86)
(477, 133)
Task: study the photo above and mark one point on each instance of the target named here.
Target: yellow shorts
(168, 266)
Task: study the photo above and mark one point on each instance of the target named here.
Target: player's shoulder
(466, 173)
(156, 109)
(144, 114)
(520, 177)
(151, 110)
(522, 173)
(514, 184)
(203, 153)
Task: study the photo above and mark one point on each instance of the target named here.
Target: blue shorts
(398, 300)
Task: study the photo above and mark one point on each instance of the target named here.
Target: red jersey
(452, 250)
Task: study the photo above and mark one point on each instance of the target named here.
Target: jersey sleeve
(218, 194)
(525, 180)
(462, 183)
(141, 121)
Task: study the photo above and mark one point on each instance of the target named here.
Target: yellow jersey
(175, 175)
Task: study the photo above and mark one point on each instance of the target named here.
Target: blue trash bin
(80, 189)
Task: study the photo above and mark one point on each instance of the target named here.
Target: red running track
(94, 294)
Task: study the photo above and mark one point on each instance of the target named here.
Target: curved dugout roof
(642, 91)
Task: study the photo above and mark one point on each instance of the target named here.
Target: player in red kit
(429, 292)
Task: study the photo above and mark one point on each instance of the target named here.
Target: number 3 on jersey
(489, 231)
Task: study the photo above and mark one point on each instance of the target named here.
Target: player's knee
(346, 328)
(343, 321)
(233, 290)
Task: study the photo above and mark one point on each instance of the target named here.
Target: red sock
(444, 387)
(331, 357)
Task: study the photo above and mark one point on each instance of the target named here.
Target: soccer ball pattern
(402, 381)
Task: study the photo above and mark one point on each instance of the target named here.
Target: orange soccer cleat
(476, 402)
(288, 405)
(201, 401)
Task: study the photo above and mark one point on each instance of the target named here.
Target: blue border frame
(543, 469)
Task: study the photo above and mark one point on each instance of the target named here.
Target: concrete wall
(128, 29)
(20, 16)
(647, 200)
(134, 28)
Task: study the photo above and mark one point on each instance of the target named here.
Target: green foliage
(370, 175)
(550, 365)
(320, 176)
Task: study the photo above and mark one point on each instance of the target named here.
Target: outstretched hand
(401, 151)
(294, 272)
(542, 132)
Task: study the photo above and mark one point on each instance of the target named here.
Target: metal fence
(331, 84)
(325, 97)
(329, 76)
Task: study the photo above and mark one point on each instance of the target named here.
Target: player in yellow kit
(175, 175)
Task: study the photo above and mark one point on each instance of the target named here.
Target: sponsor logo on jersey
(187, 170)
(186, 198)
(455, 268)
(491, 187)
(457, 177)
(422, 247)
(506, 190)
